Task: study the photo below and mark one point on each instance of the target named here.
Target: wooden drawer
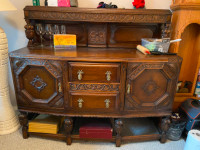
(94, 102)
(94, 72)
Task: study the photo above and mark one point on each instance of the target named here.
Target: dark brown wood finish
(24, 123)
(105, 78)
(98, 27)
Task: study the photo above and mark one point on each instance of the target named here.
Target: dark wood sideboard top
(88, 54)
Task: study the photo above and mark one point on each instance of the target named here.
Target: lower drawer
(94, 102)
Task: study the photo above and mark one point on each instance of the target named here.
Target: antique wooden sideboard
(105, 77)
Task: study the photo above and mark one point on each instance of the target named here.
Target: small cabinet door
(38, 83)
(151, 86)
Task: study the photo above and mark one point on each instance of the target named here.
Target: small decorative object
(176, 127)
(46, 3)
(74, 3)
(52, 2)
(143, 49)
(193, 140)
(36, 2)
(63, 3)
(104, 5)
(8, 119)
(139, 3)
(185, 87)
(65, 41)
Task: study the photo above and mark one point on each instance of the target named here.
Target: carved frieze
(98, 17)
(94, 87)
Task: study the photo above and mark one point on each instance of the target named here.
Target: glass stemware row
(49, 30)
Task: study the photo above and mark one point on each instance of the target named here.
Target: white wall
(13, 22)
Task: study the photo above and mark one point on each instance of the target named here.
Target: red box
(96, 130)
(63, 3)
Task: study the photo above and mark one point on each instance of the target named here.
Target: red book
(99, 130)
(63, 3)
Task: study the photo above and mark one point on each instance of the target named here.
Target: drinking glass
(49, 32)
(63, 29)
(56, 29)
(40, 31)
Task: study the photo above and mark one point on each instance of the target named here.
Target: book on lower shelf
(96, 128)
(45, 124)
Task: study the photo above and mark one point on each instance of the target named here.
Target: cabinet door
(38, 83)
(151, 86)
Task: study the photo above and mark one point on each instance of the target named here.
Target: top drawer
(94, 72)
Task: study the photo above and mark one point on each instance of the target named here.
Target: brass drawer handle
(108, 75)
(80, 73)
(80, 102)
(128, 89)
(59, 87)
(107, 101)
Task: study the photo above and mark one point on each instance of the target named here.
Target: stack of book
(45, 124)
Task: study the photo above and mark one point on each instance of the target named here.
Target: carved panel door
(151, 86)
(39, 83)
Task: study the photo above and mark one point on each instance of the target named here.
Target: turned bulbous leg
(68, 125)
(118, 129)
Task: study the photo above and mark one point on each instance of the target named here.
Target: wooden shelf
(134, 130)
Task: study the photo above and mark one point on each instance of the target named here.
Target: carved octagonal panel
(38, 82)
(150, 85)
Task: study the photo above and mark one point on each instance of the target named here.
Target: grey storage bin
(156, 45)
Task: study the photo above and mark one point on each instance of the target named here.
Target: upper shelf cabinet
(98, 15)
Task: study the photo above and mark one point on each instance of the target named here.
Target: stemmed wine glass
(40, 31)
(49, 32)
(63, 29)
(56, 29)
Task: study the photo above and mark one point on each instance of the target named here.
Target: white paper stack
(52, 2)
(193, 140)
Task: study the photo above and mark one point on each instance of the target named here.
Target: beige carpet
(15, 141)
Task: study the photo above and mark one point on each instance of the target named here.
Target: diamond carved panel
(38, 83)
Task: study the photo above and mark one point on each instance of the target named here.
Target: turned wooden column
(118, 129)
(23, 118)
(30, 33)
(68, 129)
(164, 126)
